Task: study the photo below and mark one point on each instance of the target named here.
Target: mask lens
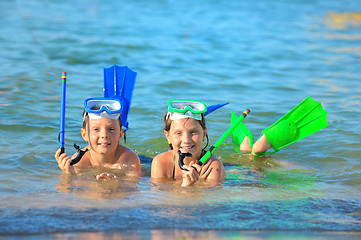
(93, 105)
(183, 106)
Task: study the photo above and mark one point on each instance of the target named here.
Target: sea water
(266, 55)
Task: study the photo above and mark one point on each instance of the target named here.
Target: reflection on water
(85, 185)
(269, 176)
(208, 234)
(342, 21)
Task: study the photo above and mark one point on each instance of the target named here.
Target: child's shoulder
(164, 155)
(162, 165)
(163, 158)
(215, 160)
(124, 148)
(126, 153)
(128, 159)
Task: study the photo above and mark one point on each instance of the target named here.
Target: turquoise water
(263, 55)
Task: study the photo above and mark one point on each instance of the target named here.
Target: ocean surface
(266, 55)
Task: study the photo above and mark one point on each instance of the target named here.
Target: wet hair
(86, 121)
(168, 122)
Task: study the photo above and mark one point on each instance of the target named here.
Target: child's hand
(64, 162)
(206, 170)
(192, 175)
(107, 176)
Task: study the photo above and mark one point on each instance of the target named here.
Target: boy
(102, 129)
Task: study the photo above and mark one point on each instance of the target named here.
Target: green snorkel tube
(213, 148)
(62, 124)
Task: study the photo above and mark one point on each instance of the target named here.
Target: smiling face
(186, 135)
(103, 135)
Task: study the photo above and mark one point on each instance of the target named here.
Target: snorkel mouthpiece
(181, 159)
(79, 156)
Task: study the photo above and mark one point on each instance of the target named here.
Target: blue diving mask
(103, 108)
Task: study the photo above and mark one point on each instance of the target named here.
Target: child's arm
(134, 165)
(64, 162)
(130, 161)
(213, 170)
(162, 166)
(158, 168)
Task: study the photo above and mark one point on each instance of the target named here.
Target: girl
(185, 130)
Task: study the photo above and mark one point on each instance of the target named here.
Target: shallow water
(263, 55)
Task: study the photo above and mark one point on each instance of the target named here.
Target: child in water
(102, 129)
(185, 130)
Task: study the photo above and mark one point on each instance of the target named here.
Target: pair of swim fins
(119, 82)
(303, 120)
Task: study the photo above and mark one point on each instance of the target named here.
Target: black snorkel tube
(213, 148)
(62, 124)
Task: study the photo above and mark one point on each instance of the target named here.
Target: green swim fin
(240, 132)
(303, 120)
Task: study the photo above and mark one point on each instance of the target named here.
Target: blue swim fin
(214, 108)
(119, 82)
